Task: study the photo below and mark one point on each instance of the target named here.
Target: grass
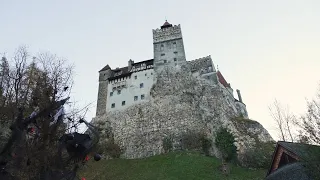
(171, 166)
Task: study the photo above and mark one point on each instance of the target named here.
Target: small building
(293, 161)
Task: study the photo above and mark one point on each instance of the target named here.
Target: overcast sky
(267, 49)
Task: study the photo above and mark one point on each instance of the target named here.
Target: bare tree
(31, 83)
(284, 120)
(310, 122)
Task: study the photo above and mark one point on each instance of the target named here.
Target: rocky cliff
(181, 103)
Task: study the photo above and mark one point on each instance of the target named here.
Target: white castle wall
(130, 87)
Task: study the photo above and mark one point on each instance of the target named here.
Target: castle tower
(168, 46)
(104, 74)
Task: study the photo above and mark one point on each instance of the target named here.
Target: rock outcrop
(181, 102)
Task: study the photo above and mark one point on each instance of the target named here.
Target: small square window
(142, 96)
(119, 91)
(113, 105)
(161, 45)
(123, 86)
(174, 42)
(123, 103)
(111, 93)
(135, 77)
(151, 73)
(163, 54)
(135, 98)
(164, 61)
(175, 59)
(141, 85)
(145, 74)
(175, 52)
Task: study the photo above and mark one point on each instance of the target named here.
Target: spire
(166, 25)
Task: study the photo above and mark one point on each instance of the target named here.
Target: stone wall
(180, 102)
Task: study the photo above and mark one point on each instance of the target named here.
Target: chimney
(239, 95)
(130, 63)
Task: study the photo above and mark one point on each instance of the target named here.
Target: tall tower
(168, 46)
(104, 74)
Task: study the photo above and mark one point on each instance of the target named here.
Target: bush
(258, 157)
(206, 144)
(114, 150)
(191, 141)
(196, 141)
(167, 144)
(225, 143)
(109, 148)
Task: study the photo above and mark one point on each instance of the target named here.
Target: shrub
(191, 141)
(167, 144)
(225, 143)
(109, 148)
(258, 157)
(113, 150)
(206, 144)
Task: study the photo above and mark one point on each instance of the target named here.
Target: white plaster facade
(133, 89)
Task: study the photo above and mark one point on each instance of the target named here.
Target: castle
(124, 87)
(145, 105)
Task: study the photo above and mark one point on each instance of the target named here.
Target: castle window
(123, 103)
(151, 73)
(161, 47)
(114, 88)
(118, 87)
(123, 86)
(175, 52)
(163, 54)
(111, 93)
(135, 98)
(113, 105)
(174, 45)
(141, 85)
(145, 74)
(142, 96)
(135, 77)
(164, 61)
(119, 91)
(175, 59)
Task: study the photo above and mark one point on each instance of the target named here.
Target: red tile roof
(166, 24)
(222, 80)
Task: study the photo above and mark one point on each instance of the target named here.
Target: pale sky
(267, 49)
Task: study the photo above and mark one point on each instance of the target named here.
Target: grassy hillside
(172, 166)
